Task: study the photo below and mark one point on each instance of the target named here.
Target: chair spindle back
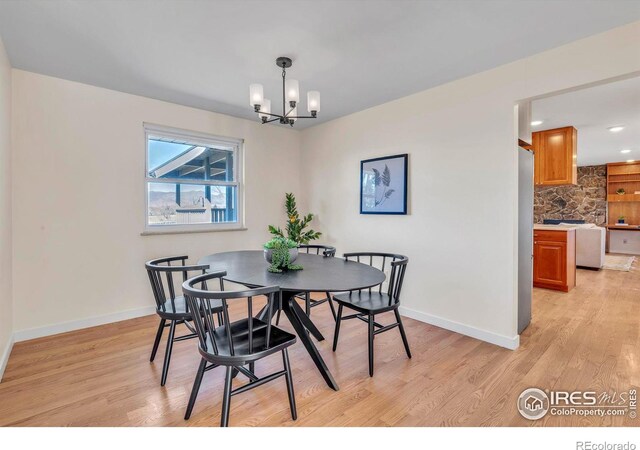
(382, 261)
(317, 249)
(204, 303)
(164, 287)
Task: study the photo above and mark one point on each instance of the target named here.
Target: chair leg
(307, 304)
(156, 343)
(279, 310)
(333, 311)
(403, 334)
(371, 329)
(167, 353)
(252, 367)
(195, 389)
(337, 332)
(289, 378)
(226, 400)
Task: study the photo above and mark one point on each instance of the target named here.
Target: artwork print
(383, 185)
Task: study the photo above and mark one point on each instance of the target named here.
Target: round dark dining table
(319, 274)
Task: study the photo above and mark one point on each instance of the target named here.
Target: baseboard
(33, 333)
(511, 343)
(4, 359)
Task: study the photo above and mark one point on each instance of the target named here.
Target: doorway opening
(579, 205)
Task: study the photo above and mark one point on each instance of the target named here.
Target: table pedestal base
(301, 323)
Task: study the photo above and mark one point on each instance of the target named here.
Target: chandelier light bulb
(256, 95)
(292, 90)
(313, 101)
(265, 108)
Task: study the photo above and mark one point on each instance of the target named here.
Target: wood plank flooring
(101, 376)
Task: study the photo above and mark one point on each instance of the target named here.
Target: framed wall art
(383, 185)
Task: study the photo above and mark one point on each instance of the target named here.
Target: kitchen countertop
(541, 227)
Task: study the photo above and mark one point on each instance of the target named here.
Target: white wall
(460, 233)
(78, 197)
(6, 304)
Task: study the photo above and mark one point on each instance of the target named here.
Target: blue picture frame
(383, 185)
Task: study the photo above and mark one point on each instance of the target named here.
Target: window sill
(207, 230)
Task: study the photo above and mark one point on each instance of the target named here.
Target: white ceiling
(592, 111)
(357, 53)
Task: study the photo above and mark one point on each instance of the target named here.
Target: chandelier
(290, 97)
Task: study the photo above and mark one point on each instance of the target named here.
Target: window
(193, 181)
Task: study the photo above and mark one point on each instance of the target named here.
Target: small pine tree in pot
(295, 225)
(282, 251)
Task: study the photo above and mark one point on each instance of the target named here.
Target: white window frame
(206, 140)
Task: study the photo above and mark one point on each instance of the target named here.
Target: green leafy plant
(280, 259)
(277, 241)
(296, 226)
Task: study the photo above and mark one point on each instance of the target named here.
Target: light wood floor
(587, 339)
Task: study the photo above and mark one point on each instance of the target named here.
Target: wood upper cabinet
(554, 259)
(556, 153)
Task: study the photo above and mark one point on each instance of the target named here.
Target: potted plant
(295, 225)
(621, 191)
(281, 253)
(621, 219)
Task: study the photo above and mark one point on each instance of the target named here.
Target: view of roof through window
(190, 183)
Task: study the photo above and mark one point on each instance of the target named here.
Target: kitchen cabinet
(554, 258)
(556, 153)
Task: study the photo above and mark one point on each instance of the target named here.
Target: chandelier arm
(271, 114)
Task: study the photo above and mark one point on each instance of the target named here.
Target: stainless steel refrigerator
(525, 237)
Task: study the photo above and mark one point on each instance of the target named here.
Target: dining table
(318, 274)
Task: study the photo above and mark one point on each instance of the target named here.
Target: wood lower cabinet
(555, 156)
(554, 259)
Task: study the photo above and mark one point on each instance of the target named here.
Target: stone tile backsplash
(586, 201)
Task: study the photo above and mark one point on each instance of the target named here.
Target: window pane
(189, 162)
(180, 204)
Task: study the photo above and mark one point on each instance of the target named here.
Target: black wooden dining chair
(170, 305)
(238, 343)
(372, 301)
(316, 249)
